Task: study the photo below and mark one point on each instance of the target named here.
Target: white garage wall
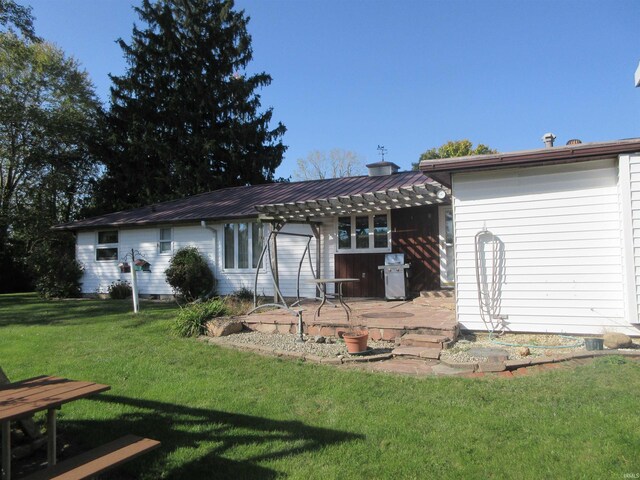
(630, 199)
(99, 274)
(561, 230)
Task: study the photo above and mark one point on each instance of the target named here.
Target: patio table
(24, 398)
(322, 283)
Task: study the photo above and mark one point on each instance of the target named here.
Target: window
(242, 245)
(447, 249)
(165, 243)
(364, 232)
(107, 246)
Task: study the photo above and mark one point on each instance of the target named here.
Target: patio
(431, 315)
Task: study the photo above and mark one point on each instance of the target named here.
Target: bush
(119, 289)
(53, 264)
(189, 275)
(243, 294)
(192, 319)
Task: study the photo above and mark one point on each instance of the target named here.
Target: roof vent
(379, 169)
(574, 141)
(548, 139)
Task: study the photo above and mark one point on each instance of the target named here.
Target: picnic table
(322, 283)
(24, 398)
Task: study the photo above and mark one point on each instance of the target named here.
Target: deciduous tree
(454, 148)
(338, 163)
(47, 113)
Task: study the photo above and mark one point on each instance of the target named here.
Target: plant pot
(593, 343)
(356, 342)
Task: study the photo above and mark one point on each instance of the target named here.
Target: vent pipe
(548, 139)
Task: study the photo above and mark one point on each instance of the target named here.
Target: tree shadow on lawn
(28, 310)
(253, 439)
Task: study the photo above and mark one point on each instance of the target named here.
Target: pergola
(392, 198)
(313, 211)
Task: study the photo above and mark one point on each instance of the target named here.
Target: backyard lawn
(226, 414)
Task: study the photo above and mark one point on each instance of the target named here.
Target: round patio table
(322, 284)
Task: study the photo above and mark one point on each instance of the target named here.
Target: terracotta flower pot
(356, 342)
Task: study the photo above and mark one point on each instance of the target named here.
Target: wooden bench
(98, 460)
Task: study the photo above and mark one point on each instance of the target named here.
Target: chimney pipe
(548, 139)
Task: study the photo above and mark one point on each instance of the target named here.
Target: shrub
(189, 275)
(243, 294)
(53, 264)
(119, 289)
(191, 320)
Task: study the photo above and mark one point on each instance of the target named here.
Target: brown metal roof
(441, 169)
(240, 202)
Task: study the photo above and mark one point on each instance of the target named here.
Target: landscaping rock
(222, 328)
(491, 354)
(617, 340)
(524, 351)
(319, 339)
(492, 367)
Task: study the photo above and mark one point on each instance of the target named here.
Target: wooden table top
(26, 397)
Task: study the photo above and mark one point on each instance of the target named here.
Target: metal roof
(441, 169)
(240, 202)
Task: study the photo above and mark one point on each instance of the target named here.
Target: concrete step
(417, 352)
(424, 340)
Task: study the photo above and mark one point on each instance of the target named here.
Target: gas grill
(394, 272)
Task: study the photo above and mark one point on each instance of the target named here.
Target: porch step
(438, 294)
(425, 340)
(419, 352)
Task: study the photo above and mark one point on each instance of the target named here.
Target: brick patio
(383, 320)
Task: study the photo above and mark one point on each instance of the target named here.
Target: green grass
(227, 414)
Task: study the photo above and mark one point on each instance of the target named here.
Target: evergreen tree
(184, 118)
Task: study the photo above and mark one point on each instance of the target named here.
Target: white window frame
(235, 269)
(371, 248)
(442, 244)
(105, 246)
(161, 241)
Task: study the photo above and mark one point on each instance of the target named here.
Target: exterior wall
(561, 256)
(630, 200)
(99, 274)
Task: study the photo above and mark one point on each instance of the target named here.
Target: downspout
(212, 292)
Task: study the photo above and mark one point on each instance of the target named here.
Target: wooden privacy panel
(365, 267)
(414, 233)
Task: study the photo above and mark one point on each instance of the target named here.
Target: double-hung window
(364, 233)
(107, 246)
(242, 245)
(165, 244)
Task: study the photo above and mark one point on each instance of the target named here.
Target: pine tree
(184, 118)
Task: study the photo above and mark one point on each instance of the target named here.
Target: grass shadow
(29, 310)
(229, 445)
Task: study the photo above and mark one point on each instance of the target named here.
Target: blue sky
(411, 75)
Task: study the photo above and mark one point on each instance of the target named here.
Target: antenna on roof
(382, 151)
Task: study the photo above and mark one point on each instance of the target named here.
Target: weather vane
(382, 151)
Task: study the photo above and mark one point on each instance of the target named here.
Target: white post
(134, 284)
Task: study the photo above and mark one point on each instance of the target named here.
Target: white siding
(98, 275)
(561, 230)
(630, 197)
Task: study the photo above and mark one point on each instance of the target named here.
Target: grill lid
(394, 259)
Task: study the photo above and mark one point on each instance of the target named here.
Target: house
(547, 240)
(351, 223)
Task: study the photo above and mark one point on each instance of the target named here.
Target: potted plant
(356, 342)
